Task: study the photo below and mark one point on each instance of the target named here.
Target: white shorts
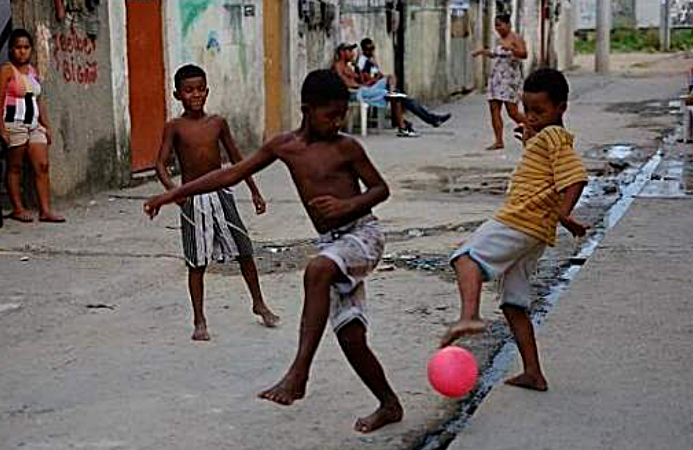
(356, 249)
(21, 134)
(507, 255)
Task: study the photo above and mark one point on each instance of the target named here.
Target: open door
(146, 81)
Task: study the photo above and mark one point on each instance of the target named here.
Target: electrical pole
(664, 26)
(603, 50)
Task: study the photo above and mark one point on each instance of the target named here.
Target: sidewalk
(616, 349)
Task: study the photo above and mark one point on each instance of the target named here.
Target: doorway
(146, 81)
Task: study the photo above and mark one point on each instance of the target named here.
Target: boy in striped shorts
(545, 187)
(339, 186)
(211, 227)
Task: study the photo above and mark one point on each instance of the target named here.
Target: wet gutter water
(632, 182)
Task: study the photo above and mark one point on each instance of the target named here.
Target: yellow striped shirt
(549, 164)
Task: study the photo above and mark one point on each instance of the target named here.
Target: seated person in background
(370, 73)
(374, 92)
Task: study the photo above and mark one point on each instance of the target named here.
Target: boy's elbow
(160, 169)
(386, 192)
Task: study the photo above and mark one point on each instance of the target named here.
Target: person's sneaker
(407, 132)
(441, 120)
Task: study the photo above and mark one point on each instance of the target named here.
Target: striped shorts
(212, 229)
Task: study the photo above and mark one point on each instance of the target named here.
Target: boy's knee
(320, 268)
(192, 271)
(352, 335)
(464, 265)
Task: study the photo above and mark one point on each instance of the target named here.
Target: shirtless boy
(211, 226)
(326, 168)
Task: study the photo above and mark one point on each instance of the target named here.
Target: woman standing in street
(505, 81)
(25, 127)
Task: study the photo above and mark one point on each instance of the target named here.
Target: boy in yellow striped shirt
(545, 187)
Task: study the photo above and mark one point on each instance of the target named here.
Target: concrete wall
(225, 37)
(646, 13)
(427, 46)
(309, 44)
(78, 89)
(462, 26)
(119, 82)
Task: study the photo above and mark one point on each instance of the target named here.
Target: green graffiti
(190, 10)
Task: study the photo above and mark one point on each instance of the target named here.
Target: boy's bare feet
(287, 391)
(529, 381)
(269, 319)
(200, 333)
(462, 328)
(382, 416)
(495, 146)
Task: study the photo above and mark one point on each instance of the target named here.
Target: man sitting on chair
(375, 92)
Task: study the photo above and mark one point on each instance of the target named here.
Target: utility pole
(603, 50)
(664, 26)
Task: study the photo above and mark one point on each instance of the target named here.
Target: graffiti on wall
(74, 56)
(214, 29)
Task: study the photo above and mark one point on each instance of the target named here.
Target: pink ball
(452, 371)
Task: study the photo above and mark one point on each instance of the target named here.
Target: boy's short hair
(366, 42)
(188, 71)
(323, 86)
(550, 81)
(503, 17)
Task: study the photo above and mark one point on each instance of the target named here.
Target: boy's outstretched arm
(376, 191)
(236, 157)
(213, 180)
(571, 195)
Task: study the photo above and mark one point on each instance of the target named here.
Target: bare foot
(269, 319)
(527, 381)
(287, 391)
(200, 333)
(495, 146)
(462, 328)
(50, 217)
(382, 416)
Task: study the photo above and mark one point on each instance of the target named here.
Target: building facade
(107, 66)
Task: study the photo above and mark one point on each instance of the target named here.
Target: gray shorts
(506, 255)
(356, 249)
(212, 229)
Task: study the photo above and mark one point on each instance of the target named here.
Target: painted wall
(76, 77)
(119, 81)
(225, 38)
